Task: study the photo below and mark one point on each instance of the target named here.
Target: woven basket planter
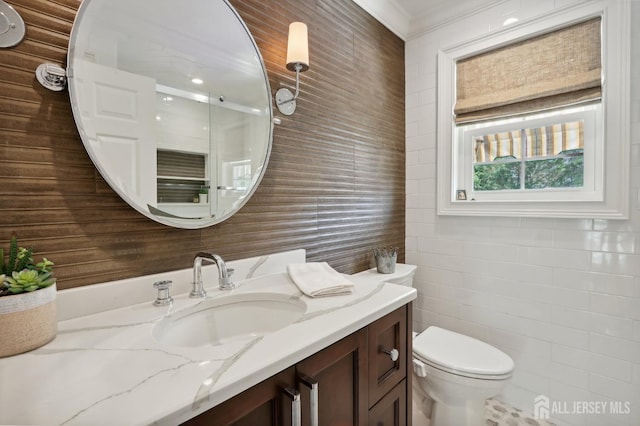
(28, 321)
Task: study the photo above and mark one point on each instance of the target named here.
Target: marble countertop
(107, 368)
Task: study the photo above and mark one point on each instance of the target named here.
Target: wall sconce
(298, 61)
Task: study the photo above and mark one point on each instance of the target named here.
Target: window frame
(608, 201)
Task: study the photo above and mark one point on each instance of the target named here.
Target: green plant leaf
(24, 259)
(45, 265)
(13, 255)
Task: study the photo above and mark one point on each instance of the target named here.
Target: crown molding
(394, 16)
(389, 13)
(447, 14)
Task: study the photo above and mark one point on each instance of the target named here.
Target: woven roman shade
(559, 68)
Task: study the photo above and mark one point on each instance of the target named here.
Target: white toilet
(456, 371)
(459, 373)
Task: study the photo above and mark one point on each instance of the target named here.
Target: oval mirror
(173, 105)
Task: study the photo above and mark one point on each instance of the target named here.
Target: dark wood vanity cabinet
(356, 381)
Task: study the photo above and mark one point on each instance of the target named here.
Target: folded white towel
(317, 279)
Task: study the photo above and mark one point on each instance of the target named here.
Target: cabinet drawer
(387, 334)
(391, 410)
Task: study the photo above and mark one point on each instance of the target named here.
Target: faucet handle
(225, 282)
(164, 298)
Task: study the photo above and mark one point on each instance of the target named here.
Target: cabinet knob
(393, 354)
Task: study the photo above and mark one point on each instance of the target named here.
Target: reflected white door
(119, 123)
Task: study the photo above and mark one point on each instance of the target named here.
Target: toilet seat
(461, 355)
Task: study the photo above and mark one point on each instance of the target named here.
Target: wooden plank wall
(335, 183)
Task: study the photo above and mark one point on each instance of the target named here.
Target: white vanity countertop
(106, 368)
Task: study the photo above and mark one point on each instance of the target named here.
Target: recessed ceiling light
(197, 81)
(167, 99)
(510, 21)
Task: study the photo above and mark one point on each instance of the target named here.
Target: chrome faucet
(224, 274)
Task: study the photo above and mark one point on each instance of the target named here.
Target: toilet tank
(403, 274)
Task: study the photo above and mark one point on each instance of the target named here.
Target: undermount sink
(225, 319)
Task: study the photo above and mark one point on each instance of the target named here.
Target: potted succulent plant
(27, 301)
(202, 194)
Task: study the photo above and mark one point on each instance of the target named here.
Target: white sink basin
(225, 319)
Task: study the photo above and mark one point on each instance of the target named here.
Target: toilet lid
(460, 354)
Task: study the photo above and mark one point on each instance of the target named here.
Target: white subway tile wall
(560, 296)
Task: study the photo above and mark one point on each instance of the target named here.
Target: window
(542, 157)
(521, 128)
(549, 156)
(236, 175)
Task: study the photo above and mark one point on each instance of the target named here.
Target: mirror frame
(168, 219)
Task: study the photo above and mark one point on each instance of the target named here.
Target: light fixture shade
(298, 48)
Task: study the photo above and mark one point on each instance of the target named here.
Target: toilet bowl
(459, 373)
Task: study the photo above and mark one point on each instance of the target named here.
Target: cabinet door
(341, 374)
(386, 335)
(265, 404)
(391, 410)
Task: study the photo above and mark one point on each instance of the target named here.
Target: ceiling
(410, 18)
(419, 8)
